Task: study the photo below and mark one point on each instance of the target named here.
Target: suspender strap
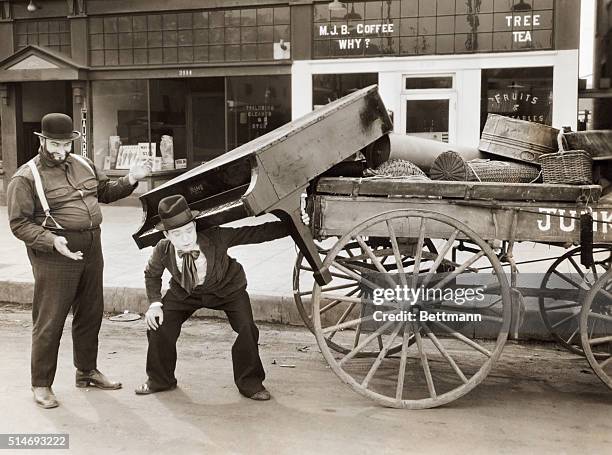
(41, 195)
(83, 161)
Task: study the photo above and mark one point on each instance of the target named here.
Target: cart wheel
(336, 310)
(441, 359)
(596, 328)
(561, 315)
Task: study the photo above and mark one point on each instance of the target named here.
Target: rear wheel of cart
(571, 281)
(451, 322)
(596, 328)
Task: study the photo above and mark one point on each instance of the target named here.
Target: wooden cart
(416, 351)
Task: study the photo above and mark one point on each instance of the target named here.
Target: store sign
(344, 34)
(527, 20)
(84, 132)
(258, 115)
(522, 105)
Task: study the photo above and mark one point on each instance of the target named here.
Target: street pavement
(537, 400)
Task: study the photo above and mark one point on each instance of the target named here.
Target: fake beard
(51, 156)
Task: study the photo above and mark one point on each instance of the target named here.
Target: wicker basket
(570, 167)
(396, 168)
(451, 166)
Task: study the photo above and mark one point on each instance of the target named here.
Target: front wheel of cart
(596, 328)
(451, 322)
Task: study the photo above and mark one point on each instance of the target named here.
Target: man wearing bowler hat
(53, 208)
(202, 275)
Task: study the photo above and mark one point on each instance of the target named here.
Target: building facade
(188, 80)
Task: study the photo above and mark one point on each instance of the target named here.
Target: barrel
(517, 139)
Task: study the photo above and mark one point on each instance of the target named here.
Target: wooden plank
(537, 222)
(378, 186)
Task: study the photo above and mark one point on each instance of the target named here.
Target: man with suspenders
(53, 208)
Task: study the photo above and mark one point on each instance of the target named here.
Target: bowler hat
(56, 126)
(174, 212)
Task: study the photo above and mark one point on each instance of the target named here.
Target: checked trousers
(161, 355)
(60, 285)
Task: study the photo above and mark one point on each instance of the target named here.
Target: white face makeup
(56, 149)
(183, 238)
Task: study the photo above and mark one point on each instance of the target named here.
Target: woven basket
(451, 166)
(570, 167)
(397, 168)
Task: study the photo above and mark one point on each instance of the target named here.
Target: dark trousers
(161, 356)
(61, 284)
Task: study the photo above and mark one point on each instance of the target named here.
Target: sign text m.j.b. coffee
(342, 32)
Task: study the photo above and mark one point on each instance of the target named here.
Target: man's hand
(61, 246)
(138, 171)
(154, 312)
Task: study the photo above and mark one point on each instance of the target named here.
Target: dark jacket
(224, 275)
(72, 192)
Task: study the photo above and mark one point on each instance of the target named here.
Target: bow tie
(193, 253)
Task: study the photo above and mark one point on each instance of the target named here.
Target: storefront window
(181, 123)
(189, 37)
(522, 93)
(256, 105)
(120, 118)
(411, 27)
(50, 33)
(168, 99)
(207, 104)
(329, 87)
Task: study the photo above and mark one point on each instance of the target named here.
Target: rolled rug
(452, 167)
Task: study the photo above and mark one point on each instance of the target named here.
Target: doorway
(38, 99)
(428, 107)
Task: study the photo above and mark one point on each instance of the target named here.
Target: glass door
(428, 108)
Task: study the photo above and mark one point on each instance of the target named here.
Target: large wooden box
(517, 139)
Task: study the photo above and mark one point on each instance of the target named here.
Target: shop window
(131, 117)
(51, 33)
(168, 98)
(411, 27)
(120, 118)
(329, 87)
(188, 37)
(522, 93)
(256, 105)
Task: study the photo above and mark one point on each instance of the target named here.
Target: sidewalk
(268, 268)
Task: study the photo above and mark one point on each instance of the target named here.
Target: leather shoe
(262, 395)
(144, 389)
(94, 378)
(44, 397)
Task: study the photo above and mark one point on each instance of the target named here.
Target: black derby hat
(56, 126)
(174, 212)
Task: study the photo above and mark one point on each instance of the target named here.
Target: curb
(266, 308)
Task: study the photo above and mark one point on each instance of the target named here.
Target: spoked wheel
(572, 281)
(303, 280)
(596, 328)
(449, 344)
(335, 309)
(338, 310)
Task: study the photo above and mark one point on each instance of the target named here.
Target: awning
(34, 63)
